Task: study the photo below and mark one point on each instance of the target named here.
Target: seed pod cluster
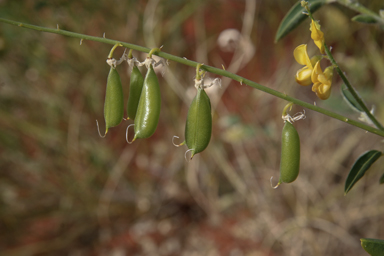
(198, 128)
(144, 104)
(144, 99)
(290, 154)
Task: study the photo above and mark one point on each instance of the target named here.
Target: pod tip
(98, 130)
(278, 184)
(192, 154)
(126, 135)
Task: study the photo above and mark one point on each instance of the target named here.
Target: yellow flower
(322, 81)
(317, 35)
(303, 75)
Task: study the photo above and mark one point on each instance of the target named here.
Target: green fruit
(114, 100)
(135, 88)
(290, 154)
(148, 111)
(375, 247)
(198, 127)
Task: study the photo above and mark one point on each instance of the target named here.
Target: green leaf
(375, 247)
(295, 16)
(364, 18)
(360, 167)
(350, 99)
(382, 179)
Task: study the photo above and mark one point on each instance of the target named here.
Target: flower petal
(323, 91)
(320, 45)
(301, 55)
(316, 72)
(317, 34)
(315, 87)
(322, 79)
(303, 76)
(328, 72)
(324, 96)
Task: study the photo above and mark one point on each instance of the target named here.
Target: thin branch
(355, 95)
(210, 69)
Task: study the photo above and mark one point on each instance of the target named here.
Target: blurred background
(66, 191)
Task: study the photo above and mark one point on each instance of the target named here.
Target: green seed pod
(198, 128)
(114, 100)
(135, 88)
(148, 111)
(290, 154)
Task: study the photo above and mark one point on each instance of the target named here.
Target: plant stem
(351, 89)
(112, 50)
(198, 75)
(154, 51)
(289, 105)
(210, 69)
(356, 6)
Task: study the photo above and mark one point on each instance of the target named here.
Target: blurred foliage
(65, 191)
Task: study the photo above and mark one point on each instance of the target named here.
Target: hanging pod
(290, 154)
(114, 100)
(135, 89)
(290, 147)
(198, 127)
(148, 110)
